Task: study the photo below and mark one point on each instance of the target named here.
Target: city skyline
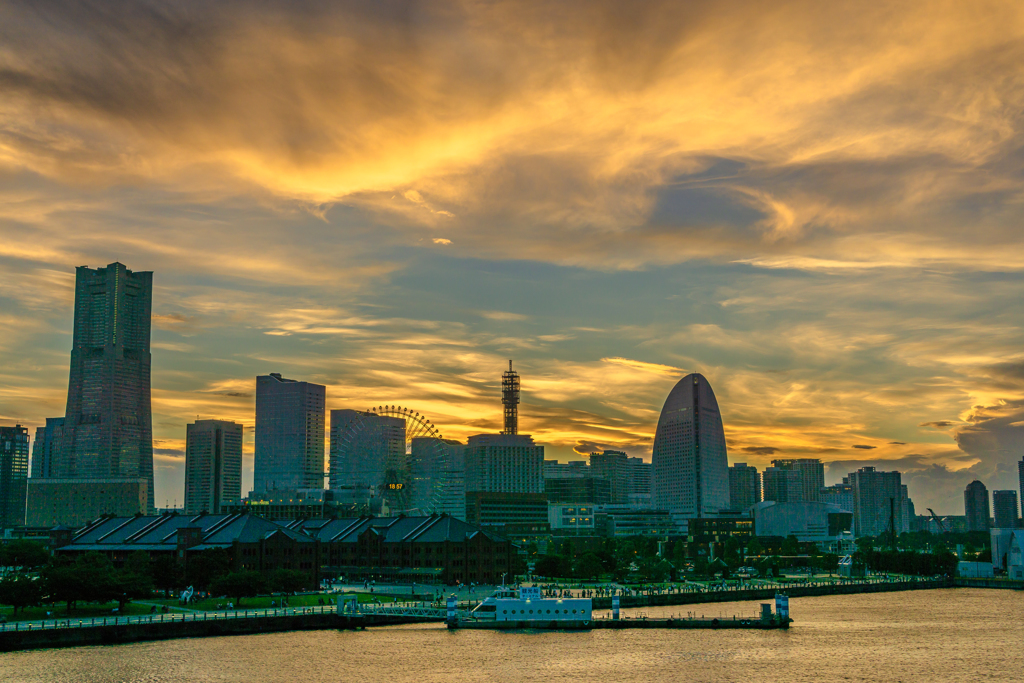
(787, 218)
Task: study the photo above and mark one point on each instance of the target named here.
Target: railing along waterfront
(434, 610)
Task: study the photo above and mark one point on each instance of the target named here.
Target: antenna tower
(510, 399)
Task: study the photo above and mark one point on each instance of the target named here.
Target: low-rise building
(574, 518)
(1015, 557)
(503, 510)
(434, 549)
(252, 543)
(619, 521)
(720, 529)
(809, 522)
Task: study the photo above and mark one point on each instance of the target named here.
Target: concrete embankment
(1005, 584)
(110, 634)
(793, 591)
(622, 624)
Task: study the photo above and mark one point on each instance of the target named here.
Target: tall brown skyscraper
(108, 432)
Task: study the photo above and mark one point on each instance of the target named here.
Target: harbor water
(914, 636)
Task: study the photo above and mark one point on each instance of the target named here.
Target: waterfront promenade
(188, 624)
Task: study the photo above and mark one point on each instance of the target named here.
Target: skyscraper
(783, 485)
(839, 494)
(1004, 508)
(976, 506)
(690, 465)
(46, 448)
(289, 434)
(639, 493)
(438, 476)
(744, 486)
(213, 466)
(1020, 477)
(108, 432)
(613, 466)
(504, 463)
(876, 495)
(13, 475)
(812, 476)
(364, 446)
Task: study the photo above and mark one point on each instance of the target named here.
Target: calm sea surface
(940, 635)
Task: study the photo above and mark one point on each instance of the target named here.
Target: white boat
(528, 604)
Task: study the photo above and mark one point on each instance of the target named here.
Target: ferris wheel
(403, 457)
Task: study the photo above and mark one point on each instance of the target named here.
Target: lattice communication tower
(510, 399)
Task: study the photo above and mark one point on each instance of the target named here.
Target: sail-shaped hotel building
(691, 470)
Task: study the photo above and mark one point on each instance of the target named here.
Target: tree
(23, 554)
(552, 566)
(791, 546)
(653, 569)
(828, 562)
(517, 567)
(135, 579)
(238, 585)
(287, 581)
(754, 546)
(206, 567)
(731, 552)
(167, 574)
(19, 590)
(589, 566)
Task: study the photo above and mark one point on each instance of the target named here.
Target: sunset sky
(819, 206)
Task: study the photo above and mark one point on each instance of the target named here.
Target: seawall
(110, 634)
(793, 591)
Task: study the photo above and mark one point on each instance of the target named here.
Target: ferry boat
(528, 607)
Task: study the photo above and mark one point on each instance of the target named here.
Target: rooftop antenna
(510, 400)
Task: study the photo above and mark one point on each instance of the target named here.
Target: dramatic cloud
(817, 205)
(760, 450)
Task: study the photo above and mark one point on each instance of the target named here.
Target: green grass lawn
(263, 601)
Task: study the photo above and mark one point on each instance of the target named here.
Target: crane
(942, 527)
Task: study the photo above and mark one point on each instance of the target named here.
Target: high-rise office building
(213, 466)
(13, 475)
(504, 463)
(876, 497)
(839, 494)
(812, 476)
(438, 476)
(639, 494)
(574, 469)
(365, 447)
(783, 485)
(592, 490)
(690, 464)
(107, 431)
(976, 507)
(744, 486)
(46, 448)
(289, 434)
(1004, 508)
(613, 466)
(1020, 477)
